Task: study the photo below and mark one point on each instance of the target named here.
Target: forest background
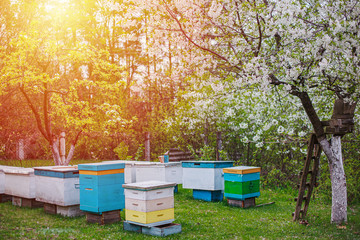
(107, 73)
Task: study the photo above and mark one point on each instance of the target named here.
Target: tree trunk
(55, 152)
(333, 153)
(147, 146)
(338, 179)
(70, 154)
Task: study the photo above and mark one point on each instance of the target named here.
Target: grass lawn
(199, 220)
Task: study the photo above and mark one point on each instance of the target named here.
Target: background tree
(310, 49)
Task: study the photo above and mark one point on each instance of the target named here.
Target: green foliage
(139, 155)
(206, 153)
(122, 151)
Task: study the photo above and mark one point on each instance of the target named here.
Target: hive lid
(207, 164)
(242, 170)
(2, 167)
(157, 164)
(19, 171)
(101, 166)
(126, 162)
(149, 185)
(58, 168)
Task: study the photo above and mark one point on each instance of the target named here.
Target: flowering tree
(308, 49)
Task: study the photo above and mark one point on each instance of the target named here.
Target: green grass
(199, 220)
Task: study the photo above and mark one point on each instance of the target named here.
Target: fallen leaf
(341, 227)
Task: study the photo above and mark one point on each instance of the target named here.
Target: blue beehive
(101, 187)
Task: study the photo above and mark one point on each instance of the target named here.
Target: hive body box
(57, 185)
(20, 182)
(242, 182)
(2, 177)
(156, 171)
(130, 169)
(101, 187)
(149, 203)
(204, 175)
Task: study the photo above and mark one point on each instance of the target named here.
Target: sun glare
(57, 5)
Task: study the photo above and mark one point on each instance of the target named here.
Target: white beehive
(204, 175)
(149, 203)
(57, 185)
(130, 169)
(2, 177)
(20, 182)
(156, 171)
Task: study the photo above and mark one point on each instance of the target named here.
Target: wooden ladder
(313, 156)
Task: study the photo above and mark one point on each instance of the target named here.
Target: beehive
(149, 203)
(242, 182)
(101, 187)
(204, 175)
(2, 177)
(57, 185)
(20, 182)
(156, 171)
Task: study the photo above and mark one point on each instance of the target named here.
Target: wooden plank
(315, 171)
(5, 198)
(50, 208)
(304, 177)
(104, 218)
(26, 202)
(159, 231)
(249, 202)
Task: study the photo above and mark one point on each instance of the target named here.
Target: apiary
(149, 203)
(101, 187)
(205, 178)
(242, 183)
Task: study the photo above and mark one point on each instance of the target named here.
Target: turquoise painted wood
(101, 198)
(241, 197)
(207, 164)
(101, 166)
(101, 193)
(49, 173)
(94, 180)
(57, 171)
(209, 196)
(241, 177)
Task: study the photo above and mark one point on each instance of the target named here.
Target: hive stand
(5, 198)
(103, 218)
(312, 158)
(26, 202)
(160, 231)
